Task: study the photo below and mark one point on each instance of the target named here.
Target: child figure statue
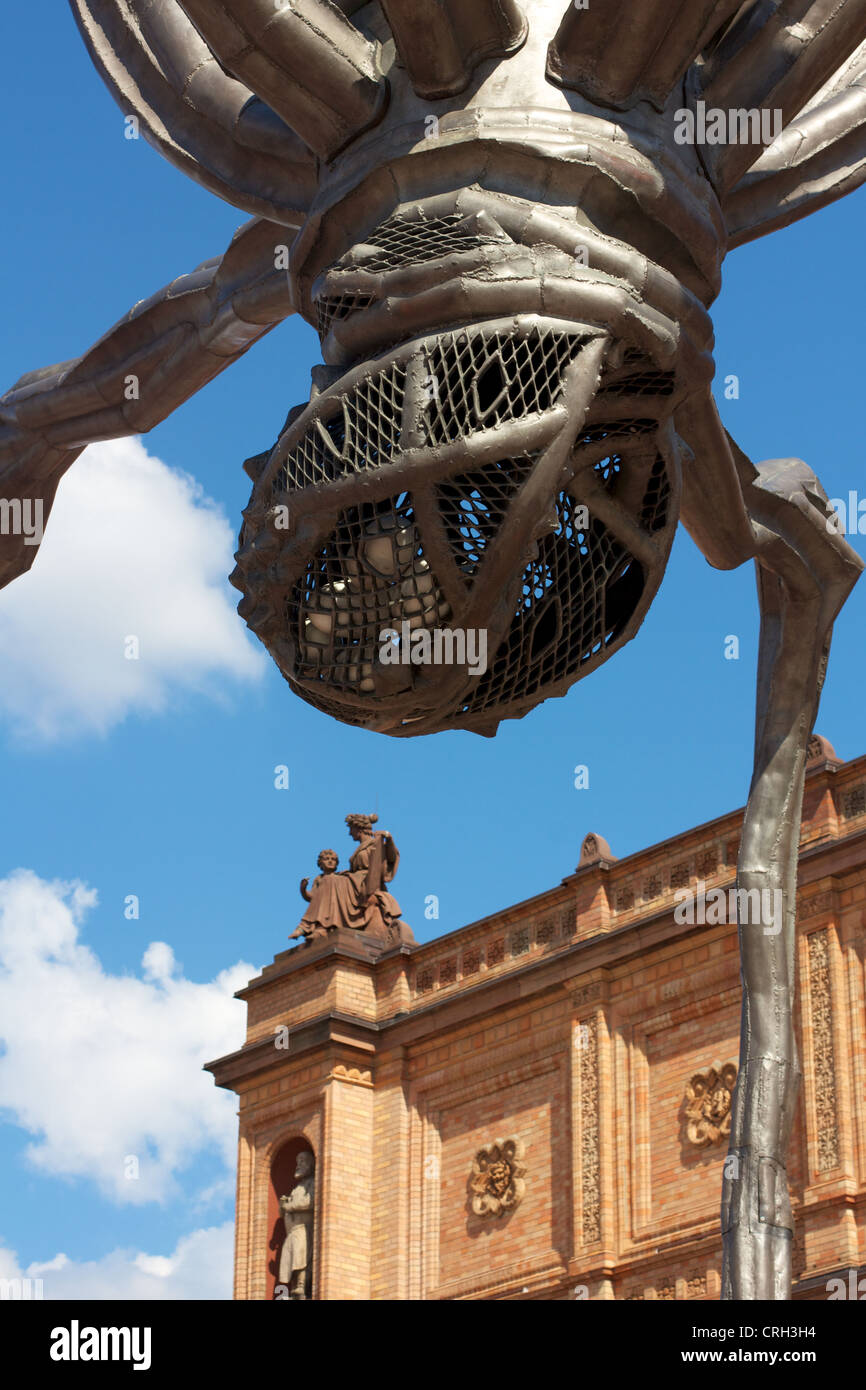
(323, 910)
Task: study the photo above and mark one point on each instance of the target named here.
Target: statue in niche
(356, 898)
(297, 1211)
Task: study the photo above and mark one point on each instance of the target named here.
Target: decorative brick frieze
(854, 802)
(520, 942)
(680, 876)
(546, 931)
(590, 1142)
(471, 961)
(707, 862)
(587, 994)
(823, 1052)
(448, 972)
(495, 953)
(815, 905)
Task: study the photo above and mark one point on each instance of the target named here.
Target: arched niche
(282, 1180)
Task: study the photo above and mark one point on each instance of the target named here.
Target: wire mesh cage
(429, 490)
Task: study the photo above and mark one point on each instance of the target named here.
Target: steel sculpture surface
(508, 225)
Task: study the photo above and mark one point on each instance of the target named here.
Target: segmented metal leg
(805, 572)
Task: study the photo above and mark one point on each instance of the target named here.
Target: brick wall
(573, 1023)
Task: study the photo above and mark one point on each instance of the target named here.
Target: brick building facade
(591, 1034)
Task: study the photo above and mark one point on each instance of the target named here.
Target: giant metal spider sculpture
(508, 225)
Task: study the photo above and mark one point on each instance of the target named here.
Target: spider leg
(200, 118)
(148, 364)
(805, 571)
(305, 60)
(441, 42)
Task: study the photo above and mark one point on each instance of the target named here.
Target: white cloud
(132, 549)
(199, 1267)
(105, 1068)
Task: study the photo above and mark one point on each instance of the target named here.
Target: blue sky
(176, 803)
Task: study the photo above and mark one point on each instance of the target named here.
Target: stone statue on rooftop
(357, 898)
